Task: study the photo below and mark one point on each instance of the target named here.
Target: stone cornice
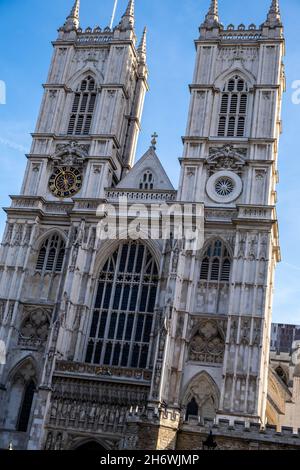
(57, 86)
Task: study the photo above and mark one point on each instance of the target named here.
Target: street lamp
(210, 443)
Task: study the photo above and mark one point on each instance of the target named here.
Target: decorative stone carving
(226, 158)
(263, 253)
(190, 171)
(9, 313)
(8, 235)
(26, 372)
(18, 235)
(242, 245)
(49, 441)
(89, 405)
(72, 154)
(2, 308)
(245, 331)
(35, 328)
(260, 174)
(105, 371)
(233, 331)
(27, 235)
(256, 332)
(208, 344)
(52, 94)
(237, 53)
(253, 247)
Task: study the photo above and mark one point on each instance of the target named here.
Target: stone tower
(135, 343)
(219, 334)
(85, 141)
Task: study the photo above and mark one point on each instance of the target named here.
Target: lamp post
(210, 443)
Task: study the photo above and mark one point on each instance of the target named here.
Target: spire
(72, 22)
(130, 9)
(142, 48)
(212, 16)
(274, 17)
(213, 9)
(127, 21)
(274, 8)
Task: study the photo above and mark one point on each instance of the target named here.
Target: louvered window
(83, 108)
(216, 263)
(51, 255)
(233, 108)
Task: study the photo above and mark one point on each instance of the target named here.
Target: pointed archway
(90, 446)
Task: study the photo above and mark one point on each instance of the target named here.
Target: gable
(147, 174)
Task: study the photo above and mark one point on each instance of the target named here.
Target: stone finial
(154, 140)
(142, 48)
(127, 21)
(275, 7)
(212, 16)
(72, 21)
(274, 17)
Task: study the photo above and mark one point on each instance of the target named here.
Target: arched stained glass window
(124, 307)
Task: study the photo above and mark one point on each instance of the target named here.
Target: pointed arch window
(51, 255)
(216, 263)
(282, 374)
(26, 406)
(192, 409)
(83, 108)
(233, 108)
(122, 320)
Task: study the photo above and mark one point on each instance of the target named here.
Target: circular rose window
(224, 187)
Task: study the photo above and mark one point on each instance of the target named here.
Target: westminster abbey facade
(142, 342)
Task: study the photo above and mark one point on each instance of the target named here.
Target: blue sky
(27, 29)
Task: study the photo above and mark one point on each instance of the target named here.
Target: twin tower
(137, 343)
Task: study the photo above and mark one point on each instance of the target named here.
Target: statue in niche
(242, 245)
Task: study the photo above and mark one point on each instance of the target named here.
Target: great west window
(124, 308)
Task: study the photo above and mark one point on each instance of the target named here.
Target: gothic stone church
(140, 344)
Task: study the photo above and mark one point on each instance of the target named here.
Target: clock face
(65, 181)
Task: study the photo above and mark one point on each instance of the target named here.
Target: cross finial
(154, 140)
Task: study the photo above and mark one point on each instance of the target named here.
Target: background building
(283, 336)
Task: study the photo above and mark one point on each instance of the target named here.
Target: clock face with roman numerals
(65, 182)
